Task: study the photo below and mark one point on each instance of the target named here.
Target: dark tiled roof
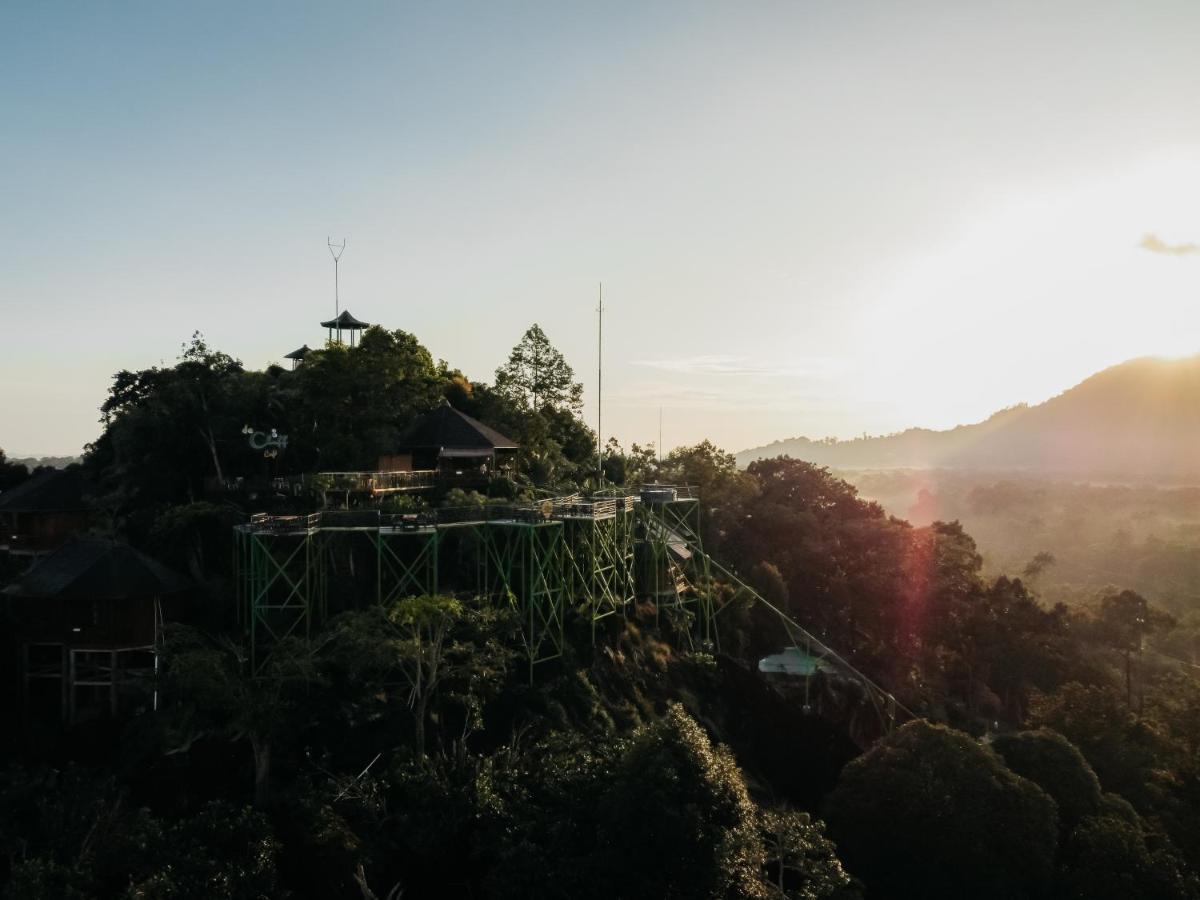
(57, 491)
(97, 569)
(345, 320)
(446, 427)
(300, 353)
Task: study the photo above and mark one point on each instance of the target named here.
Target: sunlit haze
(809, 219)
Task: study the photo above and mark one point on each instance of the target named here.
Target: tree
(1107, 857)
(678, 813)
(537, 376)
(11, 474)
(213, 690)
(1125, 621)
(1055, 765)
(929, 812)
(1041, 561)
(352, 404)
(419, 650)
(801, 861)
(168, 429)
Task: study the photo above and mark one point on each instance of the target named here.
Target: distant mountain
(54, 462)
(1137, 420)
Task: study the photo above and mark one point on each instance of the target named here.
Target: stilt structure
(282, 578)
(674, 567)
(600, 550)
(590, 557)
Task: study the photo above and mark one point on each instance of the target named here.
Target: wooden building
(452, 444)
(43, 512)
(87, 627)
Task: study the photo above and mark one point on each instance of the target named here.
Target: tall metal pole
(660, 434)
(336, 252)
(600, 390)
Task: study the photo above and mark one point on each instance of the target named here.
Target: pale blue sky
(810, 218)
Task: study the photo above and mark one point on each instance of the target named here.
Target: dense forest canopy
(1041, 749)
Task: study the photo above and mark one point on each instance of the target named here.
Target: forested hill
(1138, 420)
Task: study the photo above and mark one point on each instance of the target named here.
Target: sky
(820, 219)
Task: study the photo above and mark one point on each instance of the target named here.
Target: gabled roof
(58, 491)
(346, 321)
(97, 569)
(447, 428)
(300, 353)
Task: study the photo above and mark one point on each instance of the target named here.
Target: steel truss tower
(675, 568)
(525, 565)
(283, 578)
(406, 562)
(600, 537)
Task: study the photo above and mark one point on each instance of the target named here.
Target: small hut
(88, 622)
(42, 512)
(453, 444)
(345, 322)
(298, 356)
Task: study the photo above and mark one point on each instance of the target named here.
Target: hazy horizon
(809, 220)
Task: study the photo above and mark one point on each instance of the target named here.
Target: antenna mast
(600, 389)
(336, 252)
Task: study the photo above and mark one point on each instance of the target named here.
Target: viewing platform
(570, 508)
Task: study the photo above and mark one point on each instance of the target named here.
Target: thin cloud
(1155, 244)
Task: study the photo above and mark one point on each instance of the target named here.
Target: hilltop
(1138, 420)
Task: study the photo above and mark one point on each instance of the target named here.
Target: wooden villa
(87, 625)
(453, 445)
(41, 513)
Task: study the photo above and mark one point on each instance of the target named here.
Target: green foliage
(927, 792)
(537, 377)
(349, 405)
(1055, 765)
(801, 862)
(679, 813)
(69, 834)
(11, 474)
(423, 654)
(222, 853)
(1110, 858)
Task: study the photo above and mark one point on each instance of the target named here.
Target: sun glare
(1038, 292)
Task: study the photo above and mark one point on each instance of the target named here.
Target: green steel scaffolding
(675, 569)
(569, 553)
(283, 577)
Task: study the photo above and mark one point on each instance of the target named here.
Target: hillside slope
(1139, 419)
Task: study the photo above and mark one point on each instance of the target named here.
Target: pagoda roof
(346, 322)
(57, 491)
(90, 568)
(445, 428)
(299, 353)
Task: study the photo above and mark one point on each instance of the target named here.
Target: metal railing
(557, 508)
(376, 482)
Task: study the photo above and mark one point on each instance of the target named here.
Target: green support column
(407, 562)
(601, 562)
(282, 583)
(679, 572)
(524, 565)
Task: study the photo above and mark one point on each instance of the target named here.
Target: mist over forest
(1135, 422)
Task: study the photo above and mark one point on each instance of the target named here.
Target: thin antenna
(600, 389)
(660, 434)
(336, 252)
